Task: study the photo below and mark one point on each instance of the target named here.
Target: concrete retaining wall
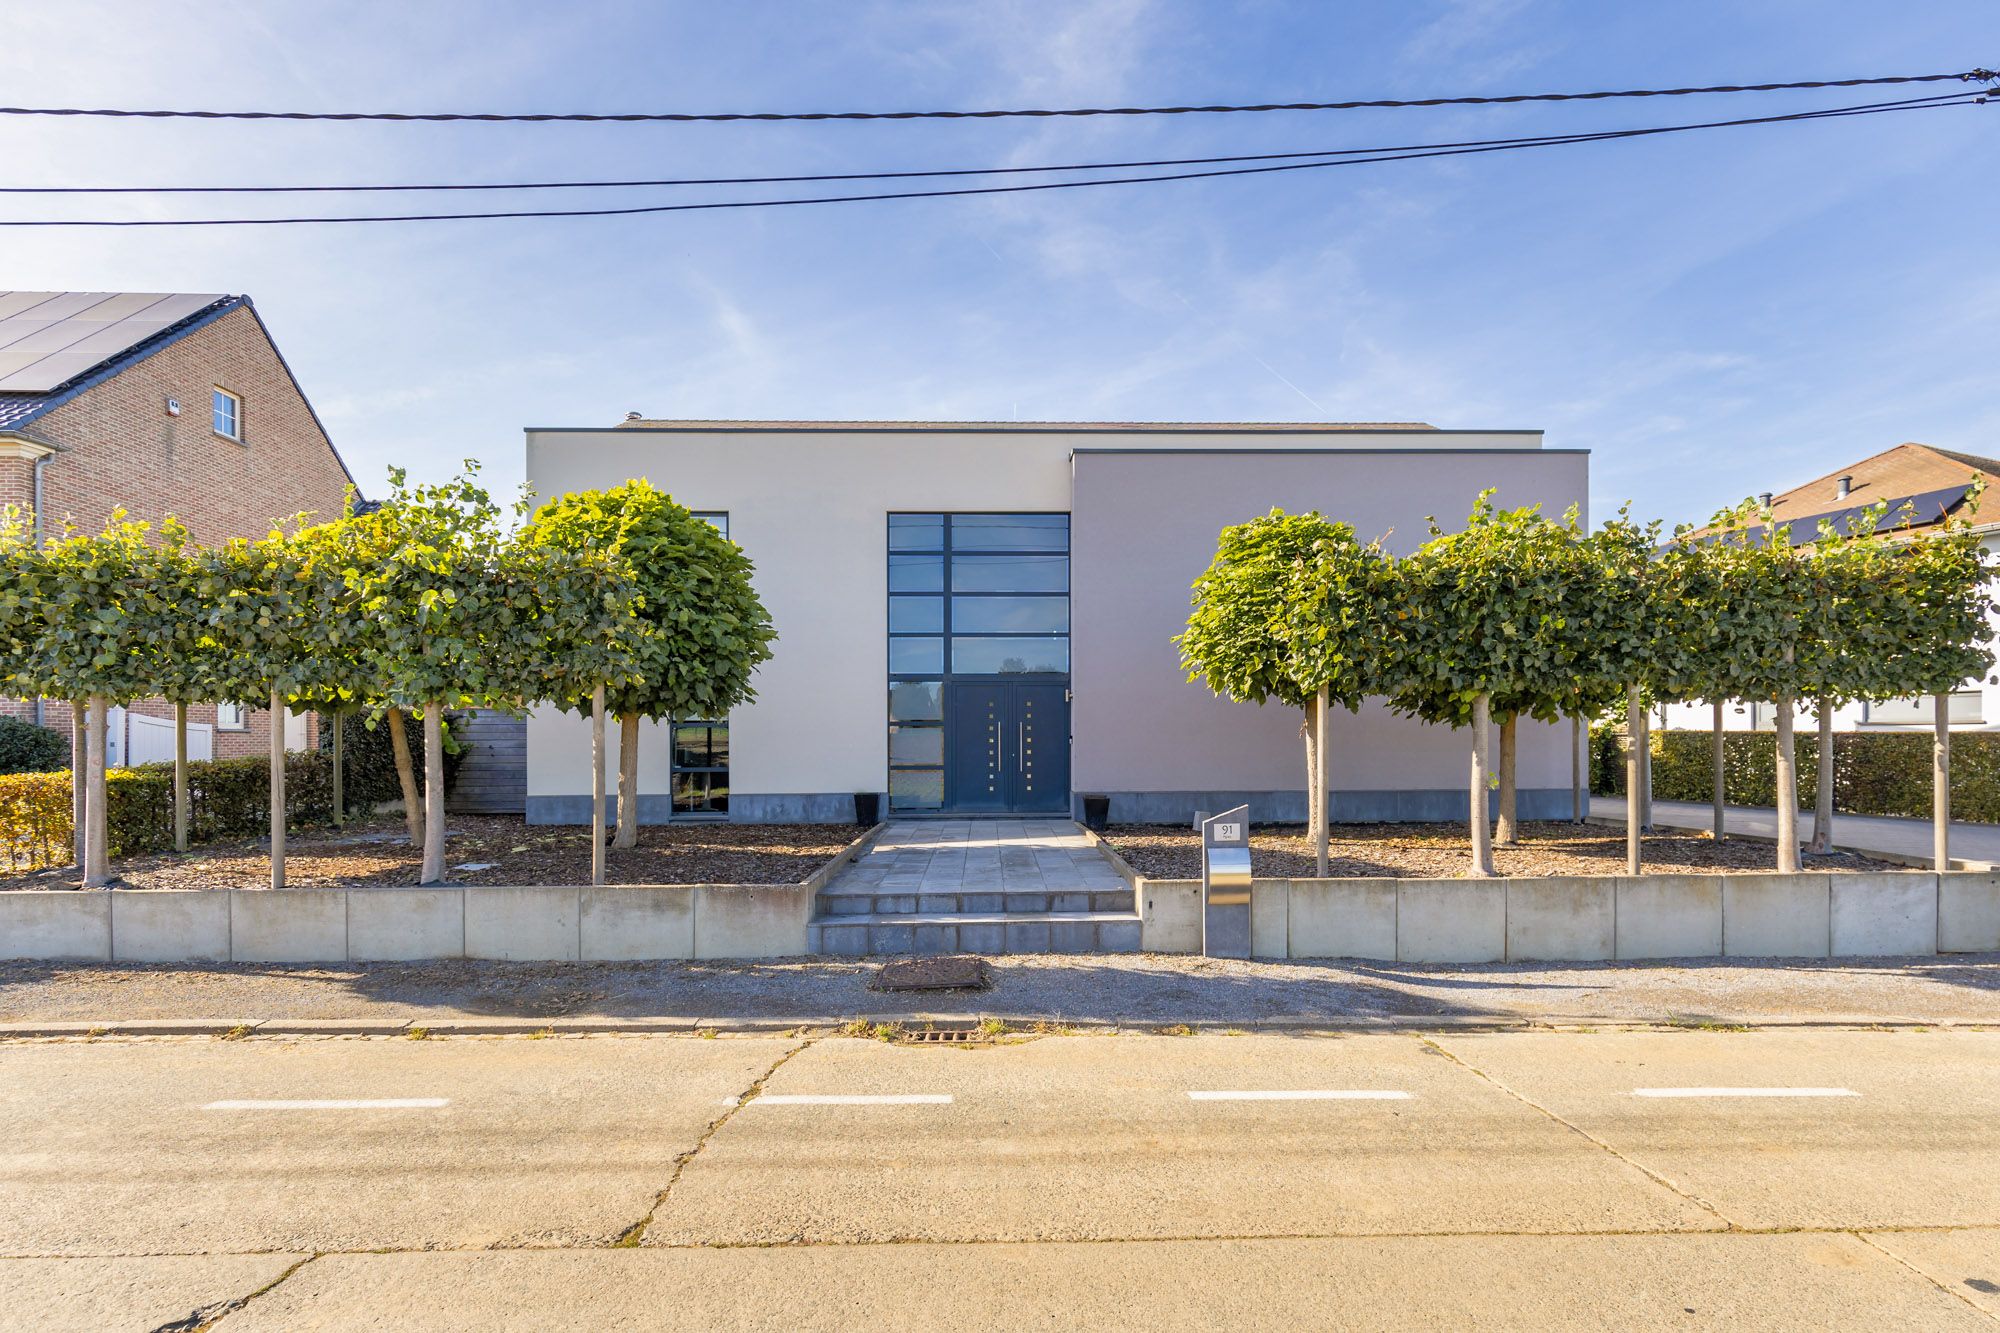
(1588, 918)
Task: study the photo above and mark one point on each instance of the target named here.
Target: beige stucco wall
(809, 507)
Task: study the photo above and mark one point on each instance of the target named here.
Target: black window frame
(719, 520)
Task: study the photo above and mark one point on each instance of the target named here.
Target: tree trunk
(1575, 769)
(1481, 830)
(79, 778)
(1787, 793)
(413, 809)
(597, 785)
(96, 855)
(628, 781)
(1645, 770)
(1321, 799)
(1309, 730)
(277, 790)
(180, 777)
(1635, 778)
(1941, 784)
(433, 794)
(1510, 829)
(339, 771)
(1718, 759)
(1822, 834)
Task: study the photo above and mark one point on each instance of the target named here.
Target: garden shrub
(371, 760)
(27, 748)
(1874, 773)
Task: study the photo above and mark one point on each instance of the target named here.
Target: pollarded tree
(701, 631)
(1486, 629)
(1291, 608)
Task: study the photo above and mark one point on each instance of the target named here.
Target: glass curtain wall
(969, 595)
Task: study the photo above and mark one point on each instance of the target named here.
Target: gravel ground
(505, 850)
(1440, 851)
(1129, 990)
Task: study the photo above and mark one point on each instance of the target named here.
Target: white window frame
(215, 399)
(240, 716)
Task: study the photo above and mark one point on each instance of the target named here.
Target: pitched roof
(55, 345)
(1935, 480)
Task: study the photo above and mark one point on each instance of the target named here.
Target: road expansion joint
(1921, 1275)
(1656, 1177)
(208, 1316)
(635, 1233)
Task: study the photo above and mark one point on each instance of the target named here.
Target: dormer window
(228, 410)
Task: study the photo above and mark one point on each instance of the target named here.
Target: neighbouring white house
(1930, 485)
(979, 617)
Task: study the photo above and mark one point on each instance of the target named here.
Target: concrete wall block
(1889, 914)
(1270, 918)
(750, 921)
(1670, 916)
(1343, 918)
(1969, 912)
(1561, 918)
(522, 924)
(398, 925)
(1170, 916)
(1776, 916)
(640, 922)
(1451, 920)
(170, 925)
(53, 925)
(289, 926)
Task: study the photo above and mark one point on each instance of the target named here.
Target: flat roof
(1035, 427)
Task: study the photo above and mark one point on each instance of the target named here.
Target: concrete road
(1768, 1179)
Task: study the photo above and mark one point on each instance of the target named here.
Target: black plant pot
(1096, 812)
(867, 807)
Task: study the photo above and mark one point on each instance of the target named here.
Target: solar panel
(49, 338)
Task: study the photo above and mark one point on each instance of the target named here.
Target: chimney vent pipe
(1763, 499)
(1846, 486)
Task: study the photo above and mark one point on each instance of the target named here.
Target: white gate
(150, 740)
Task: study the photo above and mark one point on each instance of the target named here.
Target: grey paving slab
(138, 1293)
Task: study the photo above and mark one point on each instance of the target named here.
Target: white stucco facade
(809, 504)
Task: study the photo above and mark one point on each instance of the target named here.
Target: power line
(1372, 156)
(1964, 76)
(1523, 141)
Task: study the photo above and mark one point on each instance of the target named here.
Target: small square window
(228, 414)
(232, 717)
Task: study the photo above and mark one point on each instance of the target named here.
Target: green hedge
(1874, 773)
(371, 758)
(27, 748)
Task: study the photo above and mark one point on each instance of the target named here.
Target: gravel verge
(1440, 851)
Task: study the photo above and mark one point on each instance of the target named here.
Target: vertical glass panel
(691, 745)
(916, 573)
(718, 745)
(916, 788)
(1010, 573)
(916, 657)
(916, 532)
(916, 701)
(916, 745)
(989, 657)
(719, 520)
(916, 615)
(1010, 615)
(1010, 532)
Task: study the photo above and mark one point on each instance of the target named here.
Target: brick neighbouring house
(158, 403)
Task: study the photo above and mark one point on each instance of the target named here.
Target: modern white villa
(977, 618)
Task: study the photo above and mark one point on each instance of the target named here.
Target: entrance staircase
(977, 886)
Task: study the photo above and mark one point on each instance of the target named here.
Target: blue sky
(1711, 314)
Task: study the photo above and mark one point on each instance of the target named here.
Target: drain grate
(938, 1036)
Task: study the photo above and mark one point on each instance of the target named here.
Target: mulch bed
(506, 849)
(1440, 851)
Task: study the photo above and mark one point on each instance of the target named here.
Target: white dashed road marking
(852, 1099)
(335, 1104)
(1744, 1092)
(1303, 1095)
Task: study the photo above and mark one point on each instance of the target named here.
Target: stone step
(873, 901)
(854, 935)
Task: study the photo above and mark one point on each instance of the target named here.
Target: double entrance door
(1009, 746)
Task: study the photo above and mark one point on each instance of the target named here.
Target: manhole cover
(933, 974)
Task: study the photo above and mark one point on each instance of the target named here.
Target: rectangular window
(916, 701)
(916, 573)
(916, 745)
(916, 615)
(228, 414)
(701, 768)
(916, 788)
(916, 532)
(1010, 573)
(232, 717)
(1010, 615)
(716, 518)
(1010, 532)
(1007, 657)
(916, 657)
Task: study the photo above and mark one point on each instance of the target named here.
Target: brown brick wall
(118, 449)
(17, 483)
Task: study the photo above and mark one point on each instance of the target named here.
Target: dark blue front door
(1009, 751)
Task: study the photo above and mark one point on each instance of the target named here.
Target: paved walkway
(1855, 833)
(979, 856)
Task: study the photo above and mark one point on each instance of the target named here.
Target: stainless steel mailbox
(1225, 884)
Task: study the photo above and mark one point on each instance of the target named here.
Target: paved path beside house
(1869, 834)
(954, 856)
